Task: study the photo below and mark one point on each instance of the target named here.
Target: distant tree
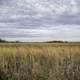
(17, 41)
(1, 40)
(4, 41)
(57, 42)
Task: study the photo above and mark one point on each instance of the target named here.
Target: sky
(40, 20)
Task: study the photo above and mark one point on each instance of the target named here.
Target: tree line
(5, 41)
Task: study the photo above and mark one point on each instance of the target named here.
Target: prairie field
(39, 61)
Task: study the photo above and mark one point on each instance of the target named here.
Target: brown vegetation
(39, 61)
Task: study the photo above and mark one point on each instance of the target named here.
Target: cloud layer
(38, 20)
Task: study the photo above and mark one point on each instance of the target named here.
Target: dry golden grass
(39, 61)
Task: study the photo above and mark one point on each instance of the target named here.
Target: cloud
(40, 19)
(42, 34)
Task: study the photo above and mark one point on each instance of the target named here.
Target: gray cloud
(40, 19)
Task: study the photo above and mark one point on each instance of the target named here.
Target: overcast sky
(40, 20)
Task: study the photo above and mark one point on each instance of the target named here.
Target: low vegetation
(39, 61)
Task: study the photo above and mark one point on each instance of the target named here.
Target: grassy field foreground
(39, 61)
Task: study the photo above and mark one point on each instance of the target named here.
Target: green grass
(39, 61)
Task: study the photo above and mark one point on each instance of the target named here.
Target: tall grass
(39, 61)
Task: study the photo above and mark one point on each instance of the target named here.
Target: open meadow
(39, 61)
